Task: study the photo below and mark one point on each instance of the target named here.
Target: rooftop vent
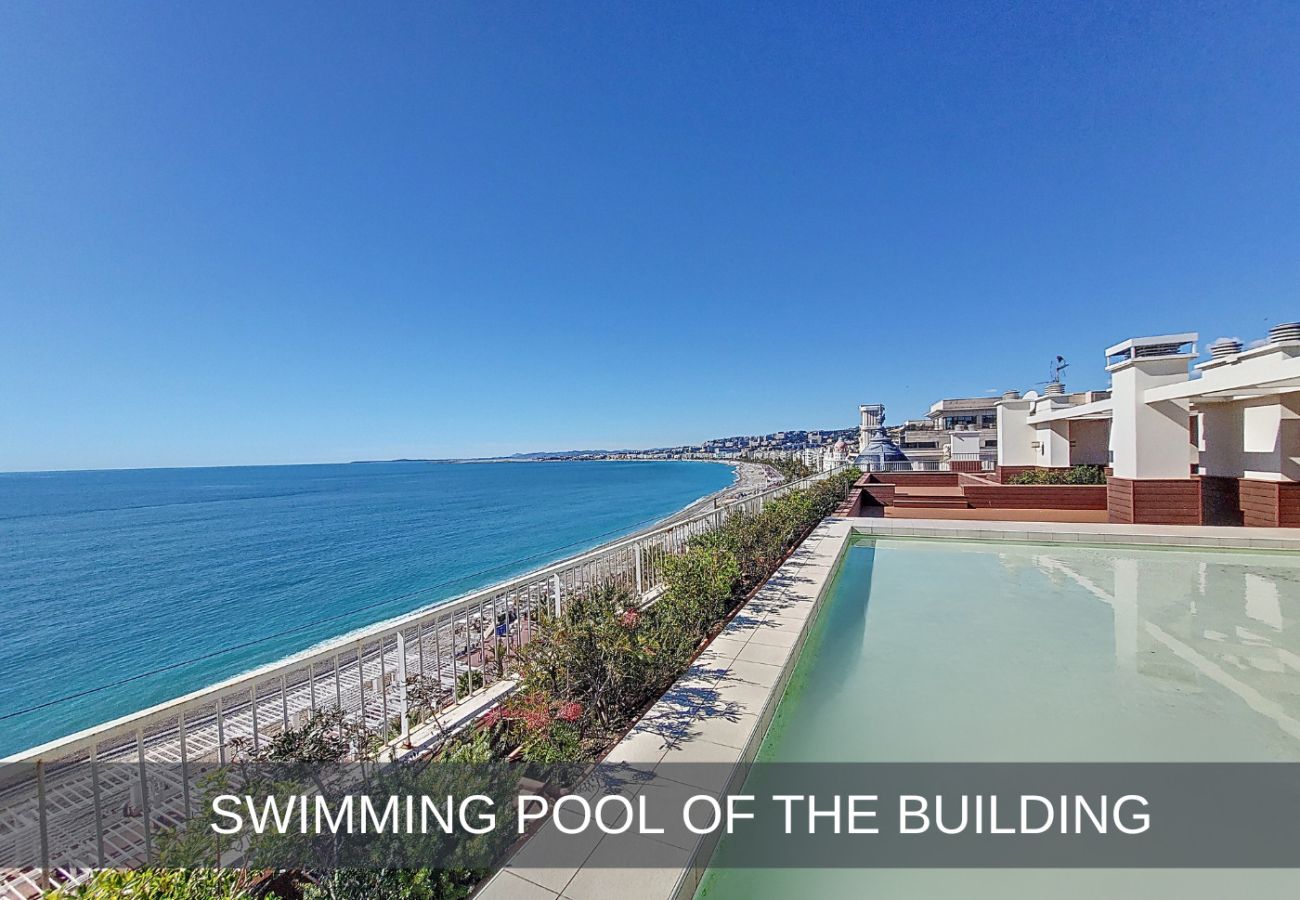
(1157, 346)
(1011, 395)
(1225, 347)
(1288, 331)
(1150, 350)
(1053, 389)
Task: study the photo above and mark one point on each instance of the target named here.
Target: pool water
(934, 651)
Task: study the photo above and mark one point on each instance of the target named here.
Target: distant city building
(961, 428)
(876, 449)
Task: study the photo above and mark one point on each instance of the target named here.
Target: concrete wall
(1090, 442)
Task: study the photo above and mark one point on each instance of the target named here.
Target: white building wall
(1090, 442)
(1015, 434)
(1221, 440)
(964, 445)
(1271, 438)
(1053, 444)
(1149, 440)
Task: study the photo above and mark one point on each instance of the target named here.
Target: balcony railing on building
(957, 462)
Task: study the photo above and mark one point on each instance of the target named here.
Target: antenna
(1054, 370)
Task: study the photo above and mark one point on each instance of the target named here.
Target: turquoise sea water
(104, 575)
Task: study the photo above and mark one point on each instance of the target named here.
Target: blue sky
(261, 233)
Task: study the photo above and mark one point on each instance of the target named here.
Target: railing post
(361, 681)
(639, 589)
(252, 693)
(144, 798)
(401, 690)
(455, 651)
(437, 657)
(338, 685)
(555, 596)
(47, 882)
(221, 732)
(185, 763)
(99, 807)
(284, 700)
(383, 684)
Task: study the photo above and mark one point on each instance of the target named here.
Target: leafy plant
(162, 884)
(1074, 475)
(469, 682)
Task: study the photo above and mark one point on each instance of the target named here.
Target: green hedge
(1075, 475)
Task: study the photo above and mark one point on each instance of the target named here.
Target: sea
(195, 575)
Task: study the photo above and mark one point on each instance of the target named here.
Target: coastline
(640, 497)
(750, 478)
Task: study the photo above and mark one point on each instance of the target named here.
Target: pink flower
(493, 716)
(537, 719)
(570, 712)
(630, 618)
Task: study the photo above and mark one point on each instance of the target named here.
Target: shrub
(592, 654)
(392, 884)
(162, 884)
(1075, 475)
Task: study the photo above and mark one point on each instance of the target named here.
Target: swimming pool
(964, 651)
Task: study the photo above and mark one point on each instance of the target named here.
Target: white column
(1015, 434)
(1149, 440)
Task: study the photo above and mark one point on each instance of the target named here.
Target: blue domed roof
(881, 448)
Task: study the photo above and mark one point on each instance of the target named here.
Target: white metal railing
(452, 648)
(986, 464)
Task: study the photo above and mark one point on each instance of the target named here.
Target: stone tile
(665, 805)
(728, 644)
(723, 724)
(750, 671)
(740, 696)
(775, 636)
(641, 749)
(537, 860)
(607, 875)
(764, 654)
(509, 886)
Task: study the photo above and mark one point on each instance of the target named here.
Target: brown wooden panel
(1288, 506)
(1259, 503)
(1036, 496)
(1154, 501)
(1119, 500)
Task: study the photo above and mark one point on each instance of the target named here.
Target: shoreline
(750, 478)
